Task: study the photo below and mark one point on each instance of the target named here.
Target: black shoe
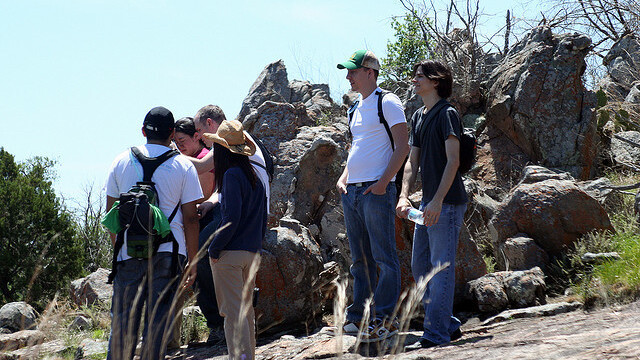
(422, 344)
(456, 335)
(216, 336)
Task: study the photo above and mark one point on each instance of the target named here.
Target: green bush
(39, 252)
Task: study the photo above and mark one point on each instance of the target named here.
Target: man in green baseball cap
(379, 146)
(361, 58)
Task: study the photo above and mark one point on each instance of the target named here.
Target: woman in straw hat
(234, 251)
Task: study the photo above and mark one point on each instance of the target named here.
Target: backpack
(269, 159)
(141, 221)
(383, 121)
(468, 142)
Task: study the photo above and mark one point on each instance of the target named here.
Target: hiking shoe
(351, 328)
(456, 335)
(216, 336)
(378, 331)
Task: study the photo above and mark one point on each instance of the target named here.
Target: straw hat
(231, 136)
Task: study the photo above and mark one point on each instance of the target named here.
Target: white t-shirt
(260, 171)
(176, 182)
(371, 148)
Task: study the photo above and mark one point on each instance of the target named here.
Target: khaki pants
(234, 277)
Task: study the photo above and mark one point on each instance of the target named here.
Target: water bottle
(415, 215)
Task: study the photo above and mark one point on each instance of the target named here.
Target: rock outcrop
(538, 101)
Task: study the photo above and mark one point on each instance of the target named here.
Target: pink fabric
(202, 153)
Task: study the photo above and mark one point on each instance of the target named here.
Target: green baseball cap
(361, 58)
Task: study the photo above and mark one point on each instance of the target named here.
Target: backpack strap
(150, 164)
(383, 121)
(350, 112)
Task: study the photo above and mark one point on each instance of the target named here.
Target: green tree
(407, 48)
(39, 252)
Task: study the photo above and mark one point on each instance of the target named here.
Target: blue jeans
(206, 295)
(132, 287)
(370, 223)
(433, 246)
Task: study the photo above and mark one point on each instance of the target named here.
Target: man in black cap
(152, 280)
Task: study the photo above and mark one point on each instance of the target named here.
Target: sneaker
(378, 331)
(351, 328)
(422, 344)
(216, 336)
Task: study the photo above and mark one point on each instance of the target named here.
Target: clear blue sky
(78, 76)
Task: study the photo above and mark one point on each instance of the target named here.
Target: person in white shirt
(368, 198)
(140, 280)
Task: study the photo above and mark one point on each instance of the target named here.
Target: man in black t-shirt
(435, 148)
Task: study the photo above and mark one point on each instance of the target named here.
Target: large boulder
(555, 213)
(288, 275)
(537, 99)
(16, 316)
(92, 289)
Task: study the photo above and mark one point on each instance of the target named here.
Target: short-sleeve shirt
(176, 182)
(433, 154)
(371, 149)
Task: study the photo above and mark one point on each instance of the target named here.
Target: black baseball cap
(159, 119)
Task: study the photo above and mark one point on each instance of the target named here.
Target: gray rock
(634, 94)
(488, 292)
(522, 253)
(535, 311)
(291, 263)
(622, 68)
(525, 288)
(534, 173)
(21, 339)
(537, 99)
(92, 347)
(92, 289)
(591, 258)
(18, 316)
(81, 322)
(500, 290)
(271, 85)
(622, 151)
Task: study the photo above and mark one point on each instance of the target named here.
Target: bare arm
(191, 230)
(433, 208)
(401, 140)
(203, 165)
(342, 181)
(110, 201)
(408, 179)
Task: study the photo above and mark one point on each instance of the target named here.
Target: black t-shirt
(433, 155)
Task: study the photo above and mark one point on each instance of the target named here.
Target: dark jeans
(206, 297)
(370, 225)
(137, 282)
